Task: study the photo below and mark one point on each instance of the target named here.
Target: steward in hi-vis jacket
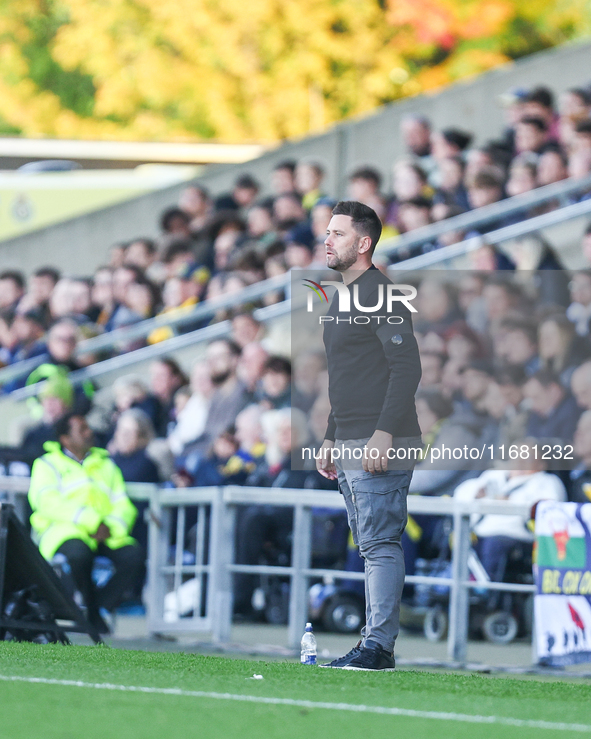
(81, 510)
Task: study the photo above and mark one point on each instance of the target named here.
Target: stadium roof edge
(131, 151)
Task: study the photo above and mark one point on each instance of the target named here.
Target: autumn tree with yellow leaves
(240, 70)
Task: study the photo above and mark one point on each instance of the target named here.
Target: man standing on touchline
(374, 370)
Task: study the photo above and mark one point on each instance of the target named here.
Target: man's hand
(382, 441)
(102, 533)
(324, 463)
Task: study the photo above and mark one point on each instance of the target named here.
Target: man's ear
(364, 245)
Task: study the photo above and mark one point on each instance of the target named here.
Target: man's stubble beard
(341, 264)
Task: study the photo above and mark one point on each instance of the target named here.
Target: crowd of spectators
(212, 246)
(503, 360)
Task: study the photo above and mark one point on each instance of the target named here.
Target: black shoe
(372, 658)
(342, 661)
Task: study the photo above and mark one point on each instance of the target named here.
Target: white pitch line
(355, 708)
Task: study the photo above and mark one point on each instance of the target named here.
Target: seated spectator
(130, 391)
(309, 175)
(133, 433)
(56, 398)
(319, 220)
(28, 329)
(230, 394)
(249, 433)
(122, 315)
(522, 176)
(451, 186)
(561, 349)
(449, 142)
(195, 200)
(95, 519)
(532, 135)
(579, 479)
(527, 483)
(8, 339)
(413, 214)
(62, 339)
(288, 211)
(364, 187)
(102, 294)
(579, 311)
(259, 221)
(299, 246)
(243, 195)
(416, 136)
(477, 377)
(246, 329)
(437, 309)
(553, 411)
(307, 384)
(504, 403)
(175, 222)
(140, 253)
(580, 384)
(485, 188)
(552, 167)
(283, 177)
(431, 369)
(275, 390)
(191, 419)
(582, 137)
(177, 253)
(12, 288)
(40, 287)
(539, 103)
(251, 366)
(166, 377)
(224, 464)
(516, 344)
(462, 343)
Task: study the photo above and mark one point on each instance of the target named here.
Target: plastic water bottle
(308, 655)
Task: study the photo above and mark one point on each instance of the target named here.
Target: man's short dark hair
(533, 120)
(170, 214)
(176, 247)
(247, 182)
(62, 425)
(148, 243)
(546, 378)
(541, 95)
(419, 202)
(50, 272)
(280, 365)
(583, 126)
(583, 94)
(17, 277)
(367, 173)
(365, 219)
(437, 403)
(289, 164)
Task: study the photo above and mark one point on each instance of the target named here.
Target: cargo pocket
(380, 504)
(351, 511)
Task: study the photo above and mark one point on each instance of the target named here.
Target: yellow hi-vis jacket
(71, 499)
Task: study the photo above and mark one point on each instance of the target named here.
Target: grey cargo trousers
(376, 509)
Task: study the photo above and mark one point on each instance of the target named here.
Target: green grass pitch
(92, 693)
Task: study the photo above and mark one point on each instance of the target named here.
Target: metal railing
(214, 565)
(163, 348)
(213, 613)
(481, 216)
(507, 233)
